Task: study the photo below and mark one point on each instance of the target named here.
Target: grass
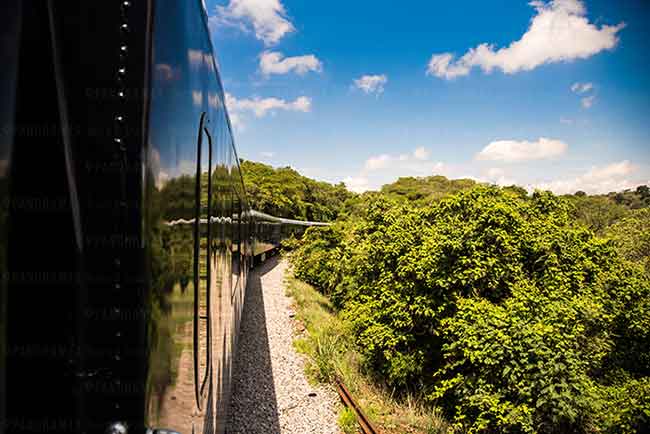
(328, 345)
(348, 421)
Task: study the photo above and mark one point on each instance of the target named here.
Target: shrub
(495, 305)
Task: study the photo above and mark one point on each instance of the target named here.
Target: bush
(524, 366)
(493, 304)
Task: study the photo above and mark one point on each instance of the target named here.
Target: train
(126, 235)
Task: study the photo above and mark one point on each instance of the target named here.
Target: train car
(270, 231)
(125, 232)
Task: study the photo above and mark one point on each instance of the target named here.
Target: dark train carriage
(125, 233)
(270, 230)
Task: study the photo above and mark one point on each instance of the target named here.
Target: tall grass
(327, 343)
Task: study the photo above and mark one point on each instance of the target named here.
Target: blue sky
(550, 94)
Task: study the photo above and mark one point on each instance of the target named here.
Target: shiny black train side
(125, 232)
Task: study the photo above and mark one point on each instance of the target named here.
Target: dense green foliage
(425, 190)
(283, 192)
(500, 307)
(601, 211)
(632, 236)
(639, 198)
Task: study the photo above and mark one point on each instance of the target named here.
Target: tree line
(510, 312)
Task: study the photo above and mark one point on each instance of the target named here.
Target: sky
(544, 94)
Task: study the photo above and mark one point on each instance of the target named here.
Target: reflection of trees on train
(172, 289)
(237, 235)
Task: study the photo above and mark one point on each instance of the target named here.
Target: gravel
(270, 391)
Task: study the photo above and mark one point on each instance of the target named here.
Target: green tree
(632, 236)
(494, 304)
(424, 190)
(283, 192)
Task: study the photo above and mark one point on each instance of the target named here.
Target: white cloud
(417, 161)
(597, 180)
(371, 83)
(385, 168)
(379, 162)
(267, 154)
(582, 87)
(358, 184)
(588, 101)
(421, 153)
(213, 100)
(198, 58)
(559, 32)
(267, 17)
(496, 175)
(166, 72)
(236, 121)
(262, 106)
(495, 172)
(567, 121)
(272, 62)
(197, 97)
(440, 65)
(195, 57)
(514, 150)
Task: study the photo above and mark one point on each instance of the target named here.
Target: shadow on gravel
(253, 406)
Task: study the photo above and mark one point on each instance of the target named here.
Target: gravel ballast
(270, 392)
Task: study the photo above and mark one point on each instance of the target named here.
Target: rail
(364, 423)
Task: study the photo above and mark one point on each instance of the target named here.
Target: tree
(283, 192)
(497, 306)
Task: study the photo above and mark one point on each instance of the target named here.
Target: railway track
(365, 424)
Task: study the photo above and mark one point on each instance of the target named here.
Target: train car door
(203, 274)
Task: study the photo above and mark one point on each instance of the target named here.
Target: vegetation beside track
(511, 313)
(331, 352)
